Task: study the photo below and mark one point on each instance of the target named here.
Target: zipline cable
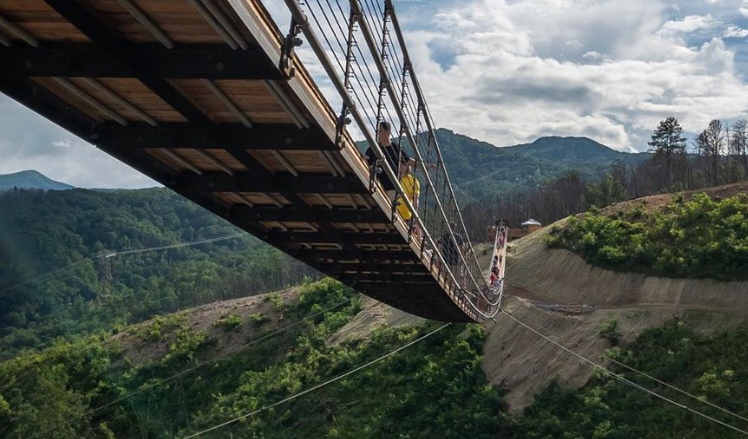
(178, 245)
(644, 374)
(492, 173)
(72, 265)
(318, 386)
(239, 348)
(622, 379)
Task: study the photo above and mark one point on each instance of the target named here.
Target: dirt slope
(140, 344)
(373, 315)
(658, 201)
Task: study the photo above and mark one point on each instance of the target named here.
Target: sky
(508, 72)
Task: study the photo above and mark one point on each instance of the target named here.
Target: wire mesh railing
(361, 47)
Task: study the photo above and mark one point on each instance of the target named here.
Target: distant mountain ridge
(31, 179)
(477, 169)
(480, 169)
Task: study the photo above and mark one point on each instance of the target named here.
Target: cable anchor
(290, 42)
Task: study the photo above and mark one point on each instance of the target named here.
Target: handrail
(465, 273)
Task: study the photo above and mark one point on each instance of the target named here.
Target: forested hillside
(435, 388)
(54, 281)
(480, 170)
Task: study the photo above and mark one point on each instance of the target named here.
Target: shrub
(258, 319)
(609, 331)
(700, 238)
(275, 299)
(229, 322)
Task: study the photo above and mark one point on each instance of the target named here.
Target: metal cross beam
(254, 182)
(334, 238)
(47, 104)
(377, 279)
(357, 254)
(373, 267)
(145, 61)
(306, 215)
(229, 136)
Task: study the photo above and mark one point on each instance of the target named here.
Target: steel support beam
(306, 215)
(144, 61)
(415, 269)
(377, 279)
(252, 182)
(357, 254)
(330, 237)
(225, 136)
(47, 104)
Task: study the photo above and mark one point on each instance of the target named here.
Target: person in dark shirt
(393, 154)
(451, 246)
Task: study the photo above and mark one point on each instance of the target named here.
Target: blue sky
(507, 72)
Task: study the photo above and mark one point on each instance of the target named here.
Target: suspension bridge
(211, 99)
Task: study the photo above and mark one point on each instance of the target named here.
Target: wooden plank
(88, 23)
(76, 100)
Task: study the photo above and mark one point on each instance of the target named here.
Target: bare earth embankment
(139, 347)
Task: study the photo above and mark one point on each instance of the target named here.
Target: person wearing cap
(393, 155)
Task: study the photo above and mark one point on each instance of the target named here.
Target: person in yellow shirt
(411, 190)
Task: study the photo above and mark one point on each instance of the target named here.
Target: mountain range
(477, 169)
(31, 179)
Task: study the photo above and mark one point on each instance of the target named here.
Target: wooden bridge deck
(189, 92)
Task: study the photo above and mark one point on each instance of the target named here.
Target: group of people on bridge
(452, 244)
(496, 275)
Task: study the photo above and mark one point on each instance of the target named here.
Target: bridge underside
(190, 93)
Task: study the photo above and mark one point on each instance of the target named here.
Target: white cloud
(688, 24)
(594, 56)
(733, 31)
(508, 84)
(574, 44)
(62, 143)
(744, 8)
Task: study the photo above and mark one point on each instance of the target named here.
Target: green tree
(608, 191)
(668, 145)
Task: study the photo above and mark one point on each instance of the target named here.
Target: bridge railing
(361, 47)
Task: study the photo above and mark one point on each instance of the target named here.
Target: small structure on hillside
(525, 229)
